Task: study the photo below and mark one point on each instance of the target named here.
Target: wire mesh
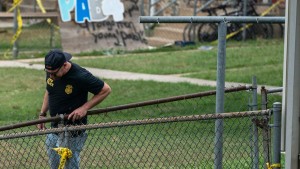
(37, 36)
(161, 34)
(177, 134)
(158, 144)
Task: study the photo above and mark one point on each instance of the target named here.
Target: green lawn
(263, 59)
(22, 91)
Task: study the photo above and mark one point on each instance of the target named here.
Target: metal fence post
(15, 46)
(276, 134)
(66, 137)
(218, 151)
(61, 136)
(245, 9)
(195, 7)
(174, 10)
(142, 8)
(51, 35)
(254, 93)
(254, 127)
(264, 98)
(266, 133)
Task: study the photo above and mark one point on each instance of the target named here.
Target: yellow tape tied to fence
(16, 3)
(41, 6)
(17, 34)
(19, 29)
(65, 154)
(273, 166)
(250, 24)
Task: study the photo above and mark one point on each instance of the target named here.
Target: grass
(23, 90)
(265, 63)
(21, 99)
(28, 46)
(242, 62)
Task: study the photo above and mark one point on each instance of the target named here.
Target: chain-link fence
(175, 132)
(192, 33)
(178, 142)
(37, 35)
(25, 32)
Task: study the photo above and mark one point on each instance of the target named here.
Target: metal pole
(264, 101)
(254, 96)
(194, 24)
(206, 5)
(34, 6)
(210, 19)
(15, 46)
(152, 8)
(174, 3)
(195, 7)
(142, 8)
(254, 127)
(275, 90)
(218, 151)
(245, 14)
(149, 7)
(264, 98)
(51, 35)
(67, 137)
(291, 85)
(276, 134)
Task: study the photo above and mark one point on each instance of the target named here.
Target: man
(67, 90)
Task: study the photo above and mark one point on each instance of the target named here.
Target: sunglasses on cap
(53, 73)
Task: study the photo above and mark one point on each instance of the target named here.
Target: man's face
(55, 74)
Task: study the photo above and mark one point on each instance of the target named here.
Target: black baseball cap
(56, 58)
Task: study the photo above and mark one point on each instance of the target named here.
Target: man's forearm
(98, 98)
(45, 105)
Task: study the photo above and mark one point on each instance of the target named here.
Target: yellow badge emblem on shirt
(50, 82)
(69, 89)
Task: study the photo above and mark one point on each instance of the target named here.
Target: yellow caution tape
(41, 6)
(65, 154)
(278, 165)
(16, 3)
(271, 7)
(249, 25)
(20, 25)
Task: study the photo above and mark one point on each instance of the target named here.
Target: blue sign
(91, 10)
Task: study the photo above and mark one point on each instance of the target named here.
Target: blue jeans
(75, 144)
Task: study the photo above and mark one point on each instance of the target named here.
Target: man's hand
(77, 114)
(41, 126)
(82, 111)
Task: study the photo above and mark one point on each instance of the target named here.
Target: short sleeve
(91, 83)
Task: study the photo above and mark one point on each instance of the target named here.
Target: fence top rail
(139, 122)
(272, 90)
(126, 106)
(211, 19)
(275, 90)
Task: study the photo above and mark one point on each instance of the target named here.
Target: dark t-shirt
(71, 91)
